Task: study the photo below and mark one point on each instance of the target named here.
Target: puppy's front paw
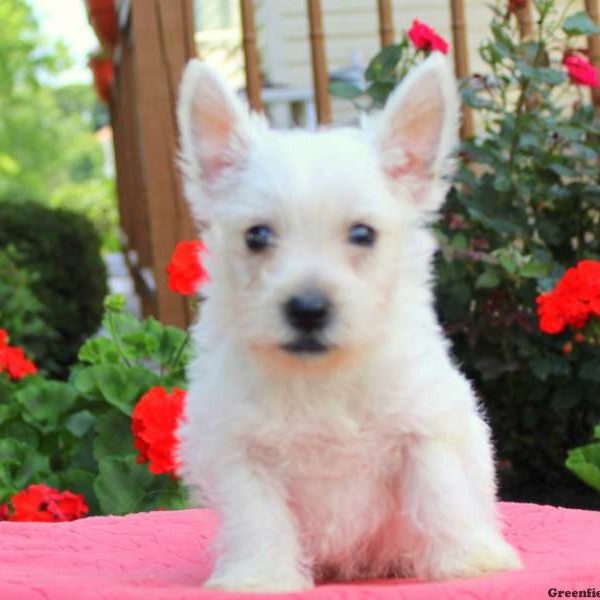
(479, 555)
(258, 581)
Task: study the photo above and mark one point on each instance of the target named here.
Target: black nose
(308, 312)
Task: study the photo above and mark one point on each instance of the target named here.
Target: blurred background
(91, 203)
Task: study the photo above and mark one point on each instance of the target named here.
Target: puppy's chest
(313, 451)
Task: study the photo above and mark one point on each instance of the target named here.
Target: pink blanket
(162, 555)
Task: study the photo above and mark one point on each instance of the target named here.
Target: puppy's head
(315, 239)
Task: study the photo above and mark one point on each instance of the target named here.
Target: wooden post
(130, 188)
(524, 20)
(319, 62)
(161, 46)
(386, 23)
(594, 47)
(251, 60)
(461, 58)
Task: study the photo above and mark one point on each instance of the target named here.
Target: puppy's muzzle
(308, 314)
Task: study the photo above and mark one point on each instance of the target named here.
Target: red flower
(4, 512)
(186, 272)
(15, 363)
(581, 70)
(41, 503)
(154, 421)
(425, 38)
(574, 300)
(3, 338)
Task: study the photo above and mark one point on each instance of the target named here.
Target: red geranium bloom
(15, 363)
(4, 512)
(425, 38)
(581, 70)
(41, 503)
(574, 300)
(186, 272)
(154, 421)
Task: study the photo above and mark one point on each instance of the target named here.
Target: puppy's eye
(259, 237)
(362, 235)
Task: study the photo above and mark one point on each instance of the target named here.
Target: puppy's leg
(259, 550)
(448, 505)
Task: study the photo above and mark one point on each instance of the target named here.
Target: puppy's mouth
(306, 345)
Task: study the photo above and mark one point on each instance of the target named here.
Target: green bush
(20, 310)
(63, 249)
(523, 208)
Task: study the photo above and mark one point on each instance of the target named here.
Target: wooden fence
(156, 40)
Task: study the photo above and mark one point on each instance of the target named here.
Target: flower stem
(117, 340)
(179, 352)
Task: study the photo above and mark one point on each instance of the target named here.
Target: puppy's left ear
(418, 131)
(215, 129)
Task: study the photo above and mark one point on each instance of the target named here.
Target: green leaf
(580, 24)
(80, 423)
(545, 75)
(140, 345)
(561, 170)
(502, 182)
(544, 366)
(384, 63)
(113, 436)
(459, 242)
(590, 371)
(475, 100)
(118, 385)
(508, 262)
(123, 486)
(99, 351)
(46, 403)
(170, 342)
(380, 91)
(534, 269)
(565, 398)
(345, 89)
(488, 279)
(572, 134)
(20, 465)
(585, 463)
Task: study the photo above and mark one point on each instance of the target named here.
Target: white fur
(373, 459)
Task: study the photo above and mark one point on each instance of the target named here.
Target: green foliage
(62, 249)
(21, 312)
(526, 200)
(48, 149)
(76, 434)
(585, 462)
(523, 208)
(95, 198)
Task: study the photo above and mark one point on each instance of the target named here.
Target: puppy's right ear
(214, 127)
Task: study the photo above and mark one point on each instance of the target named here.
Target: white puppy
(326, 422)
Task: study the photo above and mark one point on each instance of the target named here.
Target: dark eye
(362, 235)
(259, 237)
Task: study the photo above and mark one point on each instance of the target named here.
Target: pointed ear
(214, 126)
(418, 131)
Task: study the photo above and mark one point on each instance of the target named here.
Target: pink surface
(162, 555)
